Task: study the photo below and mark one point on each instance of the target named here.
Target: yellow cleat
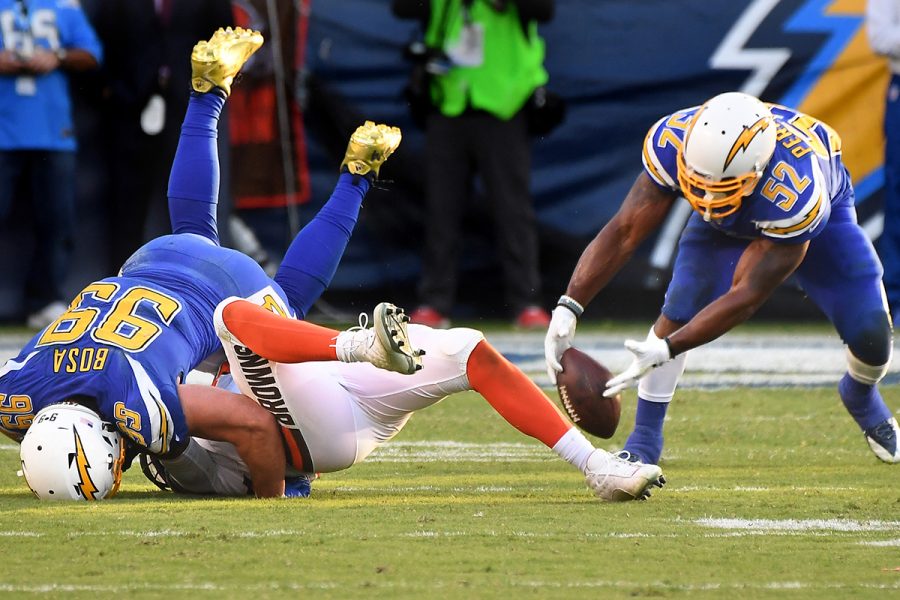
(216, 62)
(369, 146)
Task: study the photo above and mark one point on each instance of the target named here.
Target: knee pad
(660, 383)
(870, 347)
(458, 341)
(870, 337)
(866, 373)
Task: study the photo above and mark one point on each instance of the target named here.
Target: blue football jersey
(128, 341)
(36, 109)
(802, 183)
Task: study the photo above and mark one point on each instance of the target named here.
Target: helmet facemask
(730, 141)
(714, 199)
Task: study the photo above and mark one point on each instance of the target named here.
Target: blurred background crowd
(491, 197)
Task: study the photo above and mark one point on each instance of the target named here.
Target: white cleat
(615, 479)
(386, 345)
(884, 440)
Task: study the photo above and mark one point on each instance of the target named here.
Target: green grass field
(772, 493)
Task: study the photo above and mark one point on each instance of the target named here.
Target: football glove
(297, 487)
(648, 355)
(559, 339)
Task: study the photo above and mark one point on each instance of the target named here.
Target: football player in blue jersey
(109, 371)
(772, 199)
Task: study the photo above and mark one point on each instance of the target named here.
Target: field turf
(772, 493)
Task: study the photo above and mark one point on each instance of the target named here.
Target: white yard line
(799, 525)
(735, 360)
(438, 584)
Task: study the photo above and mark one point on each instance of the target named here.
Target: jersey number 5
(775, 190)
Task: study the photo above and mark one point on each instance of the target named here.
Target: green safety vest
(512, 67)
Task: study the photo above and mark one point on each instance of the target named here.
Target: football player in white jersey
(772, 199)
(334, 414)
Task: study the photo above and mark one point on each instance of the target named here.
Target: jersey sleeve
(659, 154)
(76, 31)
(810, 209)
(149, 416)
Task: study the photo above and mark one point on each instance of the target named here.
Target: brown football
(581, 385)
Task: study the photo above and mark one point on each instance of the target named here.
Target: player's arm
(216, 414)
(643, 210)
(763, 266)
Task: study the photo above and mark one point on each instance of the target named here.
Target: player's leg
(461, 359)
(313, 256)
(889, 242)
(524, 406)
(243, 325)
(53, 217)
(194, 178)
(448, 178)
(842, 275)
(703, 271)
(503, 151)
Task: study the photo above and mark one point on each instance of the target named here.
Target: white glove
(648, 355)
(559, 339)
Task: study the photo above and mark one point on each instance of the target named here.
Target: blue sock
(646, 441)
(863, 402)
(314, 255)
(297, 487)
(194, 178)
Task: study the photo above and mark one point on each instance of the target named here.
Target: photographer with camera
(477, 71)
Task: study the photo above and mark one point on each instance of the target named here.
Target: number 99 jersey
(799, 187)
(126, 342)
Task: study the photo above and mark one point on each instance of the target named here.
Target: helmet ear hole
(69, 453)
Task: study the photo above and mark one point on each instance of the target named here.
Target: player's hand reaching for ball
(648, 355)
(559, 338)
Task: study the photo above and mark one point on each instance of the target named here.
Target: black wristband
(668, 342)
(572, 304)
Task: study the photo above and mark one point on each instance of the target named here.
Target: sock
(277, 338)
(863, 402)
(304, 274)
(514, 396)
(194, 178)
(646, 441)
(574, 448)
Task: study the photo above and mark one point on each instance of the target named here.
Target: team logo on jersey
(746, 137)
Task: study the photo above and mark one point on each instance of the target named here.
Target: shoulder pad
(661, 146)
(803, 196)
(145, 419)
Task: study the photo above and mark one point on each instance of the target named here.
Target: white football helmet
(728, 144)
(69, 453)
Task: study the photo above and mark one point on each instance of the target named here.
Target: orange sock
(278, 338)
(515, 396)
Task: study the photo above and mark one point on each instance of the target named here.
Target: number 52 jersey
(127, 342)
(798, 190)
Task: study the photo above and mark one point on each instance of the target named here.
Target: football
(581, 385)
